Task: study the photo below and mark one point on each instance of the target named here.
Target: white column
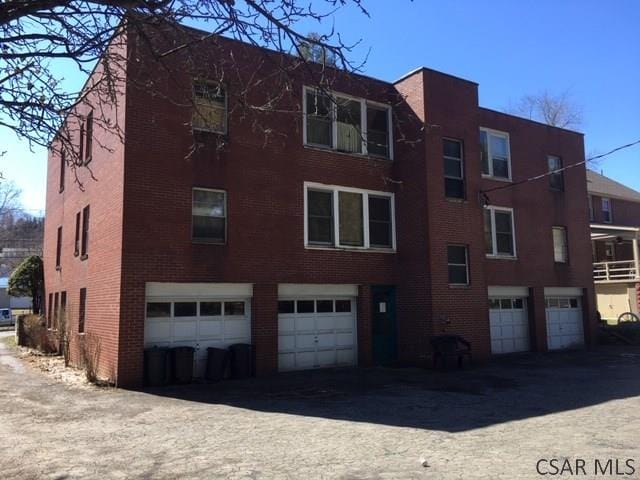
(636, 256)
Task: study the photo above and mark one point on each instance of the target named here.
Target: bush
(32, 333)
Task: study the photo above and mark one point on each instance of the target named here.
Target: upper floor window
(458, 264)
(210, 102)
(88, 149)
(346, 217)
(347, 124)
(76, 242)
(556, 178)
(495, 153)
(80, 160)
(607, 215)
(453, 168)
(560, 245)
(58, 247)
(63, 167)
(499, 232)
(209, 216)
(84, 246)
(590, 200)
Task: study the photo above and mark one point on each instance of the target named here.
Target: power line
(483, 193)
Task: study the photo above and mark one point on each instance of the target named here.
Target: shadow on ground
(508, 389)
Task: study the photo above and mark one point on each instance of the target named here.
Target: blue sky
(511, 48)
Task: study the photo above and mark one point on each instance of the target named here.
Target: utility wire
(483, 193)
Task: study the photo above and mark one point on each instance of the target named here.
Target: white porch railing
(620, 271)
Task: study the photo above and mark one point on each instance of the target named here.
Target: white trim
(198, 290)
(562, 292)
(494, 239)
(615, 227)
(334, 120)
(505, 135)
(316, 290)
(336, 189)
(507, 291)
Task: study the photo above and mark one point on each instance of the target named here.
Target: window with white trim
(209, 214)
(453, 168)
(495, 153)
(458, 264)
(346, 124)
(607, 217)
(560, 246)
(499, 232)
(348, 218)
(210, 107)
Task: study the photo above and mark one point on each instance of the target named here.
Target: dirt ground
(488, 422)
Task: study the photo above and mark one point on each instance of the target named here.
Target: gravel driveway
(487, 422)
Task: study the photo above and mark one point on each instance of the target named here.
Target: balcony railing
(621, 271)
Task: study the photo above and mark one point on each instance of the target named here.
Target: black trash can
(156, 366)
(182, 364)
(241, 360)
(216, 363)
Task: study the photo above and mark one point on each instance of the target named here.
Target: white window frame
(609, 210)
(494, 239)
(466, 264)
(564, 249)
(226, 217)
(334, 121)
(335, 190)
(505, 135)
(226, 106)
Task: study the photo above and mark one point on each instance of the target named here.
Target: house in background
(614, 211)
(16, 304)
(352, 236)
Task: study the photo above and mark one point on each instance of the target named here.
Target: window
(343, 306)
(607, 216)
(59, 247)
(499, 232)
(210, 102)
(63, 308)
(80, 158)
(609, 251)
(185, 309)
(56, 310)
(560, 248)
(286, 306)
(210, 308)
(453, 169)
(458, 263)
(496, 160)
(85, 233)
(158, 309)
(82, 310)
(63, 166)
(347, 124)
(380, 225)
(88, 151)
(556, 179)
(350, 218)
(234, 308)
(590, 200)
(49, 310)
(76, 243)
(209, 216)
(324, 306)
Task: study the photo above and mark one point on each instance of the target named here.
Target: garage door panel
(345, 339)
(327, 358)
(343, 322)
(564, 323)
(286, 324)
(306, 341)
(211, 327)
(185, 329)
(236, 328)
(326, 340)
(157, 330)
(286, 361)
(306, 323)
(305, 359)
(287, 342)
(345, 356)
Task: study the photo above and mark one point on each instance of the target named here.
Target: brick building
(346, 226)
(614, 212)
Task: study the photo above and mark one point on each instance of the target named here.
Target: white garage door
(509, 323)
(316, 332)
(198, 323)
(564, 322)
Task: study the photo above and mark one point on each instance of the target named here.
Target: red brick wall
(102, 189)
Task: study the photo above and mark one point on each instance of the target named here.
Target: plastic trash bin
(156, 366)
(216, 363)
(182, 364)
(241, 360)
